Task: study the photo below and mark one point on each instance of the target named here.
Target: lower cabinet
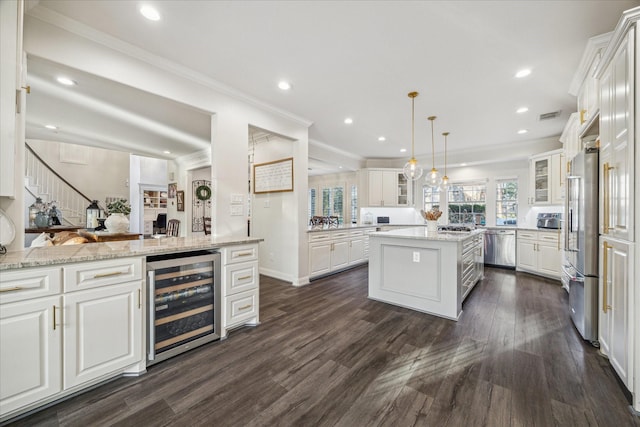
(55, 340)
(539, 252)
(616, 305)
(331, 251)
(240, 287)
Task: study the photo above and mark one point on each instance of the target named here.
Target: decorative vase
(432, 226)
(41, 220)
(117, 223)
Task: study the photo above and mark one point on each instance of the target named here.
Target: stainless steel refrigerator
(580, 267)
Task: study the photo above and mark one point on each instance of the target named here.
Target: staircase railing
(51, 186)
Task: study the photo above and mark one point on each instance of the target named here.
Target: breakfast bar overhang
(431, 272)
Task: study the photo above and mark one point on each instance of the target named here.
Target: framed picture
(173, 187)
(273, 177)
(180, 200)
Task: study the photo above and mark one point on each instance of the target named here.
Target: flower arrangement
(119, 206)
(431, 215)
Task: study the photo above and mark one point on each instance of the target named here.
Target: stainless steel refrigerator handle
(573, 278)
(151, 339)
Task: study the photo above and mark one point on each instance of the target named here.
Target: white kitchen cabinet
(616, 305)
(617, 163)
(538, 252)
(67, 330)
(547, 175)
(11, 97)
(240, 287)
(388, 187)
(103, 331)
(331, 251)
(570, 139)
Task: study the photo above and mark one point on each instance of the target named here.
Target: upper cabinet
(585, 83)
(547, 175)
(570, 140)
(11, 97)
(388, 188)
(617, 136)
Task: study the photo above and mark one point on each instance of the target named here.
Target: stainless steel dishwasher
(500, 248)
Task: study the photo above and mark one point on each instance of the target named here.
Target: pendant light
(411, 170)
(433, 178)
(445, 179)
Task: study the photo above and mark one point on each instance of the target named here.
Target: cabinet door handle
(54, 317)
(605, 274)
(113, 273)
(244, 254)
(245, 307)
(15, 288)
(606, 177)
(582, 114)
(244, 278)
(139, 299)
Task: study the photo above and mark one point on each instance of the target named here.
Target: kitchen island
(428, 272)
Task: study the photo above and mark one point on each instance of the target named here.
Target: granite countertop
(312, 229)
(420, 233)
(53, 255)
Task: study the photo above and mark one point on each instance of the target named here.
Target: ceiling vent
(549, 116)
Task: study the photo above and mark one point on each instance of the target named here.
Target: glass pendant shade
(412, 170)
(434, 179)
(444, 185)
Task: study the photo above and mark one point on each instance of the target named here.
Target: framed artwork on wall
(173, 187)
(180, 200)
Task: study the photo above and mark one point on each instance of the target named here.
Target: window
(333, 202)
(354, 204)
(312, 202)
(431, 198)
(467, 203)
(507, 202)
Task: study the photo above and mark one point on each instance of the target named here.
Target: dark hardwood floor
(325, 355)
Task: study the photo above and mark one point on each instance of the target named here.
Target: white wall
(232, 114)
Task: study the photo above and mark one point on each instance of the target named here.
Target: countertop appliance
(184, 302)
(549, 220)
(580, 267)
(500, 248)
(382, 220)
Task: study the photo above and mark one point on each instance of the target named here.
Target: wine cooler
(184, 302)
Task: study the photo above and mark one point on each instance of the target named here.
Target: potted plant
(117, 221)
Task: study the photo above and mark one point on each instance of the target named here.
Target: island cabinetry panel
(472, 266)
(539, 252)
(65, 339)
(616, 295)
(240, 289)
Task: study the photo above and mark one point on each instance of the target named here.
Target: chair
(173, 228)
(206, 221)
(160, 224)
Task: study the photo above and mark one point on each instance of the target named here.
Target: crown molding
(627, 20)
(56, 19)
(594, 46)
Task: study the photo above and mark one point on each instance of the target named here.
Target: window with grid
(467, 203)
(354, 204)
(507, 202)
(333, 202)
(312, 202)
(431, 198)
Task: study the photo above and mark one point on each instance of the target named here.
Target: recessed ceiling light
(339, 167)
(403, 150)
(463, 164)
(66, 81)
(522, 110)
(150, 12)
(167, 152)
(284, 85)
(522, 131)
(382, 138)
(348, 120)
(52, 127)
(523, 73)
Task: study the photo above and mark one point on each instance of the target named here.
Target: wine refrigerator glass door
(184, 309)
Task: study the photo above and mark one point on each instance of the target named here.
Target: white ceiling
(359, 59)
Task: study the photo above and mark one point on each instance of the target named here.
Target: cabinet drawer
(244, 253)
(319, 237)
(339, 235)
(548, 237)
(241, 277)
(241, 307)
(527, 235)
(29, 283)
(356, 233)
(97, 274)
